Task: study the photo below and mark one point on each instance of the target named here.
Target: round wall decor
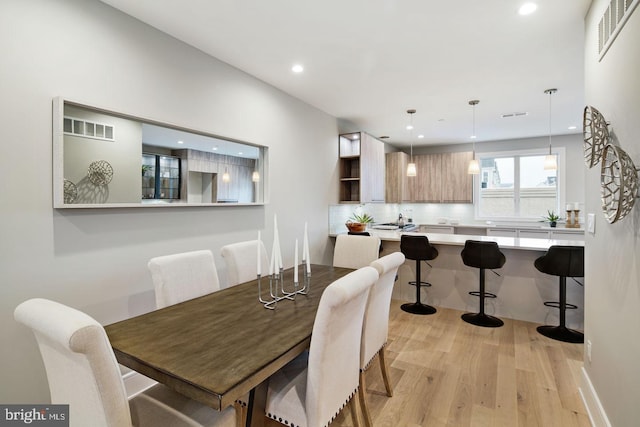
(596, 135)
(70, 192)
(100, 172)
(619, 183)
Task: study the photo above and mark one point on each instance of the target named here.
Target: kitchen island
(521, 290)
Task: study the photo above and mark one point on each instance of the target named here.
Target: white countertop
(460, 239)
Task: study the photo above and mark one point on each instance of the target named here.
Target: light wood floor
(446, 372)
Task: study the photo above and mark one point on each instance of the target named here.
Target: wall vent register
(79, 127)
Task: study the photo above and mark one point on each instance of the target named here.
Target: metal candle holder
(277, 290)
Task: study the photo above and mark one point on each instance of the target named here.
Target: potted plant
(552, 218)
(357, 223)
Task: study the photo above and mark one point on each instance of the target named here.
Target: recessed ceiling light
(409, 127)
(573, 127)
(527, 8)
(215, 148)
(180, 142)
(240, 153)
(356, 136)
(420, 136)
(472, 137)
(297, 68)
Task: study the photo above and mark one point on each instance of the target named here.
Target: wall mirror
(103, 158)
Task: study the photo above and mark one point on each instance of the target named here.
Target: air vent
(80, 127)
(611, 23)
(509, 115)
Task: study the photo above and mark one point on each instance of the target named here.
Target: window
(160, 177)
(515, 185)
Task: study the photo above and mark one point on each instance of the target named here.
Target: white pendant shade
(474, 167)
(411, 169)
(550, 162)
(255, 177)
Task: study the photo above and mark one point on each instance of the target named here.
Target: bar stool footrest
(486, 294)
(425, 284)
(482, 319)
(556, 304)
(561, 333)
(418, 308)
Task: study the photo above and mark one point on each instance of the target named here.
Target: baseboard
(596, 413)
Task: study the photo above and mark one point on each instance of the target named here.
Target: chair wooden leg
(363, 401)
(354, 410)
(241, 414)
(385, 373)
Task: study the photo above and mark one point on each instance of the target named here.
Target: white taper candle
(258, 266)
(295, 263)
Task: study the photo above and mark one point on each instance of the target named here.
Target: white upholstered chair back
(242, 261)
(81, 367)
(311, 393)
(183, 276)
(376, 317)
(83, 373)
(353, 251)
(334, 360)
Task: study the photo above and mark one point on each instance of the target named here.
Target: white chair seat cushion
(288, 393)
(161, 406)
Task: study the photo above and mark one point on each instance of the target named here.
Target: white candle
(577, 206)
(295, 263)
(273, 258)
(305, 249)
(569, 206)
(258, 256)
(276, 238)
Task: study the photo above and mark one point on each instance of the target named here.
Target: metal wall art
(596, 135)
(70, 191)
(619, 183)
(100, 172)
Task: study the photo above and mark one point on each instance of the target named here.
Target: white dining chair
(376, 325)
(183, 276)
(83, 372)
(242, 261)
(312, 389)
(353, 251)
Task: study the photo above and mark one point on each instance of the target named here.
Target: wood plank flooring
(446, 372)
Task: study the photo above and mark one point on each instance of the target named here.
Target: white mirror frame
(58, 161)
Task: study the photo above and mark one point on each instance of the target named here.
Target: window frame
(560, 153)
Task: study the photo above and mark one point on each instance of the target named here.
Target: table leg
(257, 405)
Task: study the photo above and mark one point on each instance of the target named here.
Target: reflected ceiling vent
(508, 115)
(612, 21)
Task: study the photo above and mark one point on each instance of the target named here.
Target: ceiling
(368, 61)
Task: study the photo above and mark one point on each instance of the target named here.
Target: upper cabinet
(362, 168)
(397, 182)
(440, 178)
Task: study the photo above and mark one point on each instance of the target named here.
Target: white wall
(612, 290)
(95, 260)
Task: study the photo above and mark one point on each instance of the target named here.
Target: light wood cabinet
(426, 186)
(396, 180)
(457, 184)
(440, 178)
(361, 168)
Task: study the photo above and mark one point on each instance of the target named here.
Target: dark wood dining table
(218, 347)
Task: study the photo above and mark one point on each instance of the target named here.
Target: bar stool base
(418, 308)
(561, 333)
(481, 319)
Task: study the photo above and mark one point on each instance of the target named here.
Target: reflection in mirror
(106, 159)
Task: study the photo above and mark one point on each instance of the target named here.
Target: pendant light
(411, 167)
(474, 165)
(225, 176)
(550, 162)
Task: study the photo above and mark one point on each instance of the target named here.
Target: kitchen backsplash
(420, 213)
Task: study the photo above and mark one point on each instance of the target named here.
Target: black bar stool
(419, 249)
(482, 255)
(562, 261)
